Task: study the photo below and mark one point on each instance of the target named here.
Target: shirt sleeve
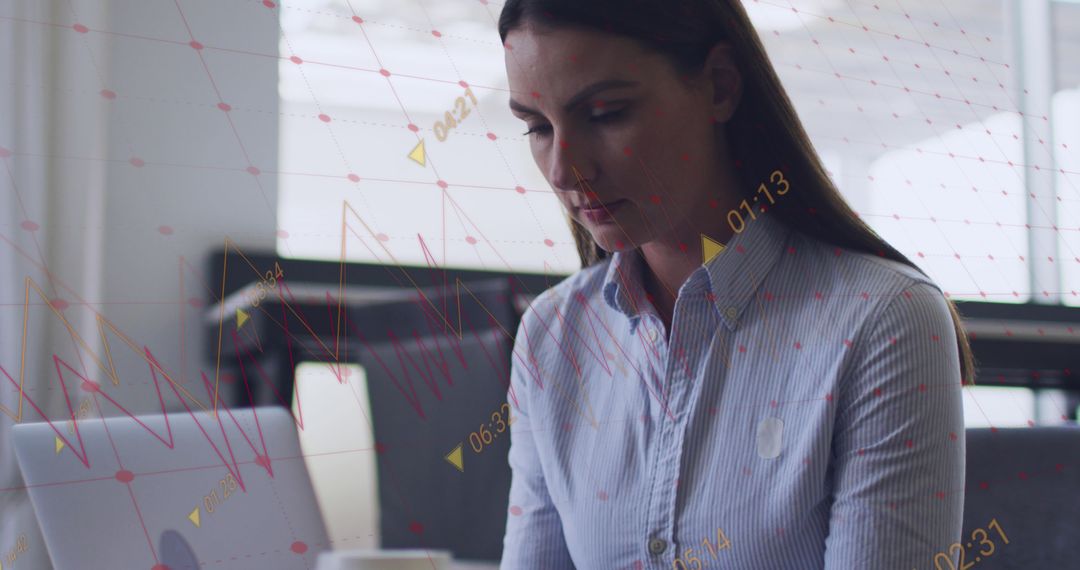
(898, 448)
(534, 533)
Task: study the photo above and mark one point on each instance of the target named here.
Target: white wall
(98, 247)
(193, 181)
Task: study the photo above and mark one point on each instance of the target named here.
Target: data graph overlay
(379, 131)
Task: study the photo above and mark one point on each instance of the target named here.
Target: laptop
(180, 491)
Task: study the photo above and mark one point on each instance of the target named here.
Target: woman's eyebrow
(576, 100)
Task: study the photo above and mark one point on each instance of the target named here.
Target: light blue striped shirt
(807, 405)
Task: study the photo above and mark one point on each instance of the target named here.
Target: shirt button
(656, 545)
(653, 334)
(732, 312)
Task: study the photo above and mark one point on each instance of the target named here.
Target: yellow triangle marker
(241, 318)
(59, 445)
(417, 154)
(710, 248)
(456, 459)
(194, 518)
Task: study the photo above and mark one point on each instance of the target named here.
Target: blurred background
(159, 157)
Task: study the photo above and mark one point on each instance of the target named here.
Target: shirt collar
(733, 275)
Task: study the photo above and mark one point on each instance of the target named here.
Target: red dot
(515, 510)
(195, 45)
(442, 184)
(29, 226)
(519, 189)
(380, 448)
(413, 127)
(464, 84)
(224, 107)
(252, 171)
(382, 237)
(385, 72)
(165, 230)
(492, 136)
(160, 567)
(298, 547)
(909, 443)
(59, 304)
(296, 60)
(358, 19)
(90, 386)
(81, 28)
(137, 162)
(535, 94)
(262, 461)
(549, 243)
(324, 117)
(125, 476)
(654, 199)
(283, 234)
(436, 33)
(108, 94)
(354, 178)
(416, 527)
(268, 4)
(4, 153)
(470, 240)
(602, 495)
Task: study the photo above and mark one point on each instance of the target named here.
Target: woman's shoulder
(859, 272)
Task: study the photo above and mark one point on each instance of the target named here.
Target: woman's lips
(603, 212)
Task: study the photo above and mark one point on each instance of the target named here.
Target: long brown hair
(767, 130)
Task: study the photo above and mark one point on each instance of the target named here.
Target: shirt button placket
(667, 459)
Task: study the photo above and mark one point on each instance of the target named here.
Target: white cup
(368, 559)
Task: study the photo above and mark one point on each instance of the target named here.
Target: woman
(793, 401)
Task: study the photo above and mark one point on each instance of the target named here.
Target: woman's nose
(570, 170)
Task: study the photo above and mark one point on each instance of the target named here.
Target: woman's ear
(725, 80)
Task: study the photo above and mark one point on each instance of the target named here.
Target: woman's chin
(612, 240)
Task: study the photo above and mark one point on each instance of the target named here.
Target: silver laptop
(181, 491)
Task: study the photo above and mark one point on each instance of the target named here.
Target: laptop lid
(174, 491)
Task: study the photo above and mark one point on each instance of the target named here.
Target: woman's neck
(667, 266)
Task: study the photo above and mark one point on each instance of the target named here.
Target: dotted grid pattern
(900, 55)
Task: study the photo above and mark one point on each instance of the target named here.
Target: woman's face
(628, 145)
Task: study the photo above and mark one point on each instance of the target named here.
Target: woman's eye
(608, 116)
(537, 130)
